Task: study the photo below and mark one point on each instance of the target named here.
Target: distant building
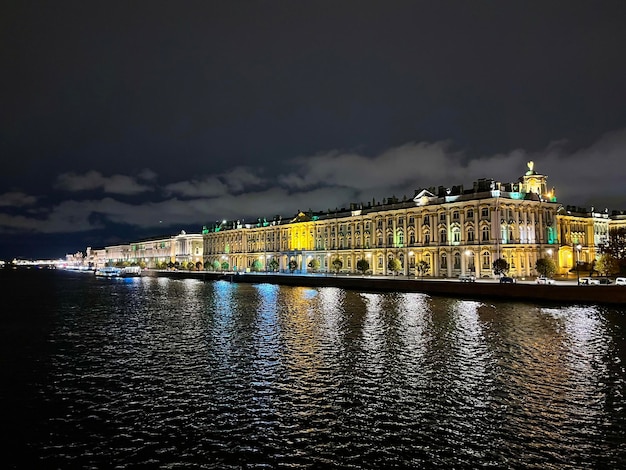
(176, 250)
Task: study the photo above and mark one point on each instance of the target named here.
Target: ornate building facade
(455, 230)
(181, 249)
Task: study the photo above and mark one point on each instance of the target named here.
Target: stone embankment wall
(571, 294)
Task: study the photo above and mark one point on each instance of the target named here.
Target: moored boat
(131, 271)
(108, 271)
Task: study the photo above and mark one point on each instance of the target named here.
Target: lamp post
(578, 247)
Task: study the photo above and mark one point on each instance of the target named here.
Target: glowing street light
(578, 248)
(470, 259)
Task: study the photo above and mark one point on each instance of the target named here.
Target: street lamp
(578, 247)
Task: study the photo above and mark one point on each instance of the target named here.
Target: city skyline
(129, 121)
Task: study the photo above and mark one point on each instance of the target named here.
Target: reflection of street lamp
(578, 247)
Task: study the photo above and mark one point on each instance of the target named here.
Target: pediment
(301, 217)
(424, 197)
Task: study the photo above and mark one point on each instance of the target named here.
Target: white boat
(108, 271)
(131, 271)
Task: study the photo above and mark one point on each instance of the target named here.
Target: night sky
(125, 120)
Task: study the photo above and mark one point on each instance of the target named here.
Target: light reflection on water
(160, 372)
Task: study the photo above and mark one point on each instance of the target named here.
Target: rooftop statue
(531, 168)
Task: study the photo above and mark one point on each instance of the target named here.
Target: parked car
(588, 281)
(605, 280)
(506, 280)
(467, 278)
(544, 280)
(620, 281)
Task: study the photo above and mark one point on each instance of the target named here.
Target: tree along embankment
(568, 294)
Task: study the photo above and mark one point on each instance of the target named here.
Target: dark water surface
(159, 373)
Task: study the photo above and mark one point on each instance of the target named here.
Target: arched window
(457, 260)
(485, 234)
(401, 238)
(456, 235)
(486, 260)
(442, 236)
(444, 261)
(470, 235)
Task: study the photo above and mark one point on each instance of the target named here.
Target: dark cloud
(115, 184)
(332, 180)
(237, 180)
(16, 199)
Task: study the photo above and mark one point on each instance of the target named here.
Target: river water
(160, 373)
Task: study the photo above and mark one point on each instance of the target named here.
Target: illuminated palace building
(455, 230)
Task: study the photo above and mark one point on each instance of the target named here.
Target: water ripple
(185, 374)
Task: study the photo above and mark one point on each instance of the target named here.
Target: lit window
(486, 260)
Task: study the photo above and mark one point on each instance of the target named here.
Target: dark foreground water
(158, 373)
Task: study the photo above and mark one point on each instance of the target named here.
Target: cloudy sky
(122, 120)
